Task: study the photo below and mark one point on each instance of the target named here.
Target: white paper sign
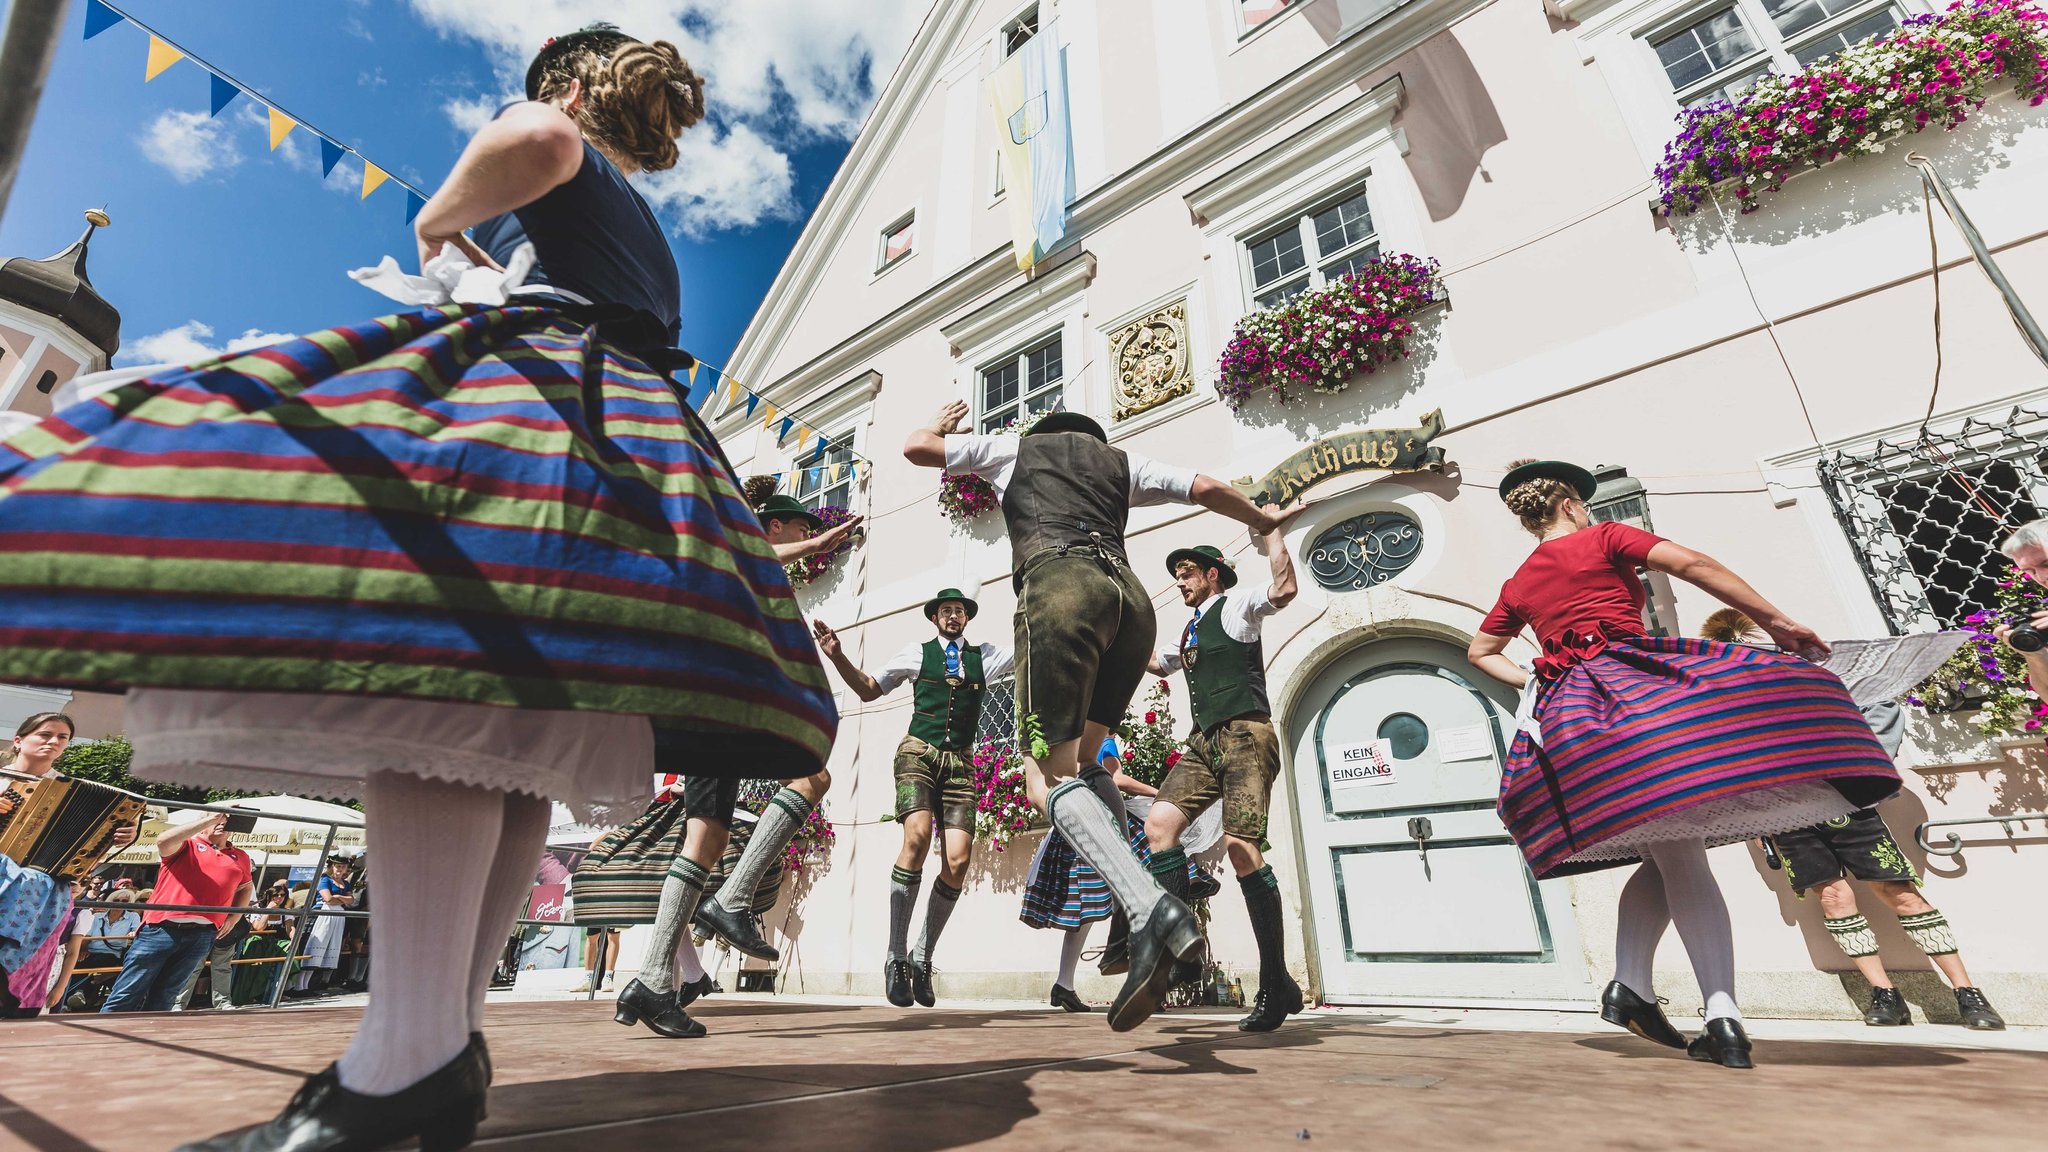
(1472, 742)
(1370, 763)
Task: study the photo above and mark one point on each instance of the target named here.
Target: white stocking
(1070, 953)
(435, 845)
(1702, 918)
(689, 965)
(1639, 925)
(522, 837)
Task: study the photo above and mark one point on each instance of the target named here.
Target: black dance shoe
(638, 1002)
(1064, 997)
(896, 976)
(739, 929)
(1722, 1042)
(686, 993)
(1977, 1011)
(921, 984)
(1273, 1005)
(1622, 1007)
(1170, 933)
(1888, 1009)
(441, 1110)
(1116, 953)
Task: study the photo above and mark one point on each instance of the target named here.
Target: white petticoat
(1743, 816)
(322, 745)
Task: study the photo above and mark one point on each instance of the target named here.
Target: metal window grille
(1925, 516)
(1368, 549)
(998, 724)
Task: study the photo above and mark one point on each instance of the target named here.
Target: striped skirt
(480, 506)
(1677, 739)
(1063, 891)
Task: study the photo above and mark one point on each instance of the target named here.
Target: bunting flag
(751, 401)
(782, 430)
(768, 421)
(161, 56)
(224, 92)
(730, 392)
(820, 449)
(832, 474)
(101, 15)
(693, 375)
(281, 126)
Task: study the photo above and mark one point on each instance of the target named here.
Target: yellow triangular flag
(161, 56)
(733, 390)
(281, 126)
(769, 419)
(372, 177)
(834, 474)
(693, 374)
(804, 435)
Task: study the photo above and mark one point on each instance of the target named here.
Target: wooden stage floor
(810, 1077)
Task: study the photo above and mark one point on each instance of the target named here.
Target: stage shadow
(1803, 1053)
(1203, 1046)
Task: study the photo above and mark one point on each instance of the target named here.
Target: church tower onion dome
(57, 287)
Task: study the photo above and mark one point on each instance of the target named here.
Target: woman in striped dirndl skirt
(1636, 747)
(456, 560)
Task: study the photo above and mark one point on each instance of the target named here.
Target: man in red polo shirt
(200, 866)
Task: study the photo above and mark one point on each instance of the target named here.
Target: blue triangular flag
(751, 401)
(330, 155)
(820, 449)
(99, 18)
(413, 204)
(224, 92)
(849, 471)
(782, 429)
(811, 476)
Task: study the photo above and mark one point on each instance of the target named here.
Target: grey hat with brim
(1581, 481)
(1068, 422)
(931, 606)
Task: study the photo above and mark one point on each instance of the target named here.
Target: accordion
(63, 826)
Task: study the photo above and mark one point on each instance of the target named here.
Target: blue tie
(1187, 640)
(952, 658)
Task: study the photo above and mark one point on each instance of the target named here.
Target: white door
(1418, 893)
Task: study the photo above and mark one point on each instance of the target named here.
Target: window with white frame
(897, 240)
(1252, 13)
(1017, 386)
(817, 484)
(1000, 186)
(1019, 31)
(1718, 54)
(1311, 249)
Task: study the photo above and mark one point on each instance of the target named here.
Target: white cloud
(778, 74)
(470, 113)
(190, 341)
(189, 145)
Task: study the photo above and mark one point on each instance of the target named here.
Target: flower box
(1324, 338)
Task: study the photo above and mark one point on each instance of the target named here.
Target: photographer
(2027, 548)
(201, 866)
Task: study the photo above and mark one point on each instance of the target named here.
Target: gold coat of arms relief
(1151, 359)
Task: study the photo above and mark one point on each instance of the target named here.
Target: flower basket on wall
(1931, 70)
(1988, 676)
(815, 566)
(811, 847)
(1002, 808)
(1324, 338)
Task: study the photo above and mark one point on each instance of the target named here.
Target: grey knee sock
(903, 885)
(679, 896)
(1104, 785)
(785, 813)
(936, 912)
(1099, 837)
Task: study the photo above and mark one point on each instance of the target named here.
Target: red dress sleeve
(1622, 542)
(1502, 621)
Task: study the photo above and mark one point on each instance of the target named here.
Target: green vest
(1227, 679)
(946, 714)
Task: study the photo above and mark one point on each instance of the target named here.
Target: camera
(2024, 637)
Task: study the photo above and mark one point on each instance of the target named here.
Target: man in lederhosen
(1233, 754)
(1084, 636)
(949, 677)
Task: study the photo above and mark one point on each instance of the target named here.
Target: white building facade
(1744, 371)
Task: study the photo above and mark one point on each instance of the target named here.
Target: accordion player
(64, 826)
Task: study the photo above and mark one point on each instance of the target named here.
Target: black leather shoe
(738, 928)
(921, 983)
(1888, 1009)
(1272, 1007)
(441, 1110)
(896, 981)
(1977, 1011)
(1116, 952)
(686, 993)
(638, 1003)
(1064, 997)
(1621, 1006)
(1170, 934)
(1723, 1042)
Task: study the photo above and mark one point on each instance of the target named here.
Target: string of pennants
(786, 428)
(163, 53)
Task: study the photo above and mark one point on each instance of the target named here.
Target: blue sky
(215, 237)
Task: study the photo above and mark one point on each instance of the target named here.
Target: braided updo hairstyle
(636, 100)
(1536, 501)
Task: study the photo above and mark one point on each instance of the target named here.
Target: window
(998, 723)
(1000, 187)
(1368, 549)
(1257, 12)
(1720, 55)
(1311, 250)
(896, 241)
(1017, 386)
(817, 485)
(1020, 31)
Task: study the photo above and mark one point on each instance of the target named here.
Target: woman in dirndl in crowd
(458, 560)
(1636, 747)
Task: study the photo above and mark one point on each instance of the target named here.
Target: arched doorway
(1418, 892)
